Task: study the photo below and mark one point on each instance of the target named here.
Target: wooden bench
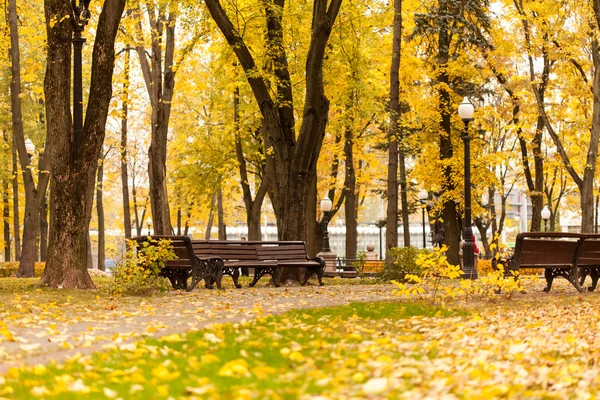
(589, 259)
(227, 257)
(186, 265)
(558, 253)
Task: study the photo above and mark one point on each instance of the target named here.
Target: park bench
(269, 257)
(558, 253)
(589, 259)
(186, 265)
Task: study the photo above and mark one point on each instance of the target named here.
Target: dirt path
(59, 332)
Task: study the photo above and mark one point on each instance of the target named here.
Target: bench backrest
(181, 247)
(294, 251)
(589, 253)
(250, 250)
(227, 250)
(546, 249)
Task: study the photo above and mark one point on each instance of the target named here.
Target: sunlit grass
(297, 353)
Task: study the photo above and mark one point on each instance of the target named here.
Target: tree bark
(6, 216)
(351, 199)
(15, 191)
(44, 230)
(124, 171)
(404, 194)
(220, 215)
(391, 236)
(71, 205)
(100, 208)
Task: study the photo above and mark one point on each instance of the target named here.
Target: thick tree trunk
(71, 205)
(391, 236)
(100, 208)
(124, 171)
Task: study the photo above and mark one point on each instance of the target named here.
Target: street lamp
(149, 222)
(423, 195)
(326, 205)
(466, 111)
(545, 216)
(81, 13)
(30, 148)
(381, 224)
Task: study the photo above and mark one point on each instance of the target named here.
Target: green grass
(314, 351)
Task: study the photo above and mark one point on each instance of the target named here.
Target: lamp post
(545, 216)
(466, 111)
(380, 224)
(30, 148)
(423, 195)
(149, 222)
(326, 205)
(82, 14)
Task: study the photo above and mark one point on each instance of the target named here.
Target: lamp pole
(380, 224)
(326, 205)
(82, 14)
(423, 199)
(545, 217)
(466, 111)
(148, 222)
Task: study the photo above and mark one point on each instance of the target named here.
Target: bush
(9, 269)
(400, 262)
(484, 267)
(138, 273)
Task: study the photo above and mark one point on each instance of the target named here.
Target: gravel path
(59, 332)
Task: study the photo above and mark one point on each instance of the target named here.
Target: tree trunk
(404, 195)
(124, 171)
(15, 188)
(6, 216)
(71, 205)
(90, 258)
(351, 199)
(391, 236)
(32, 195)
(221, 215)
(292, 167)
(449, 213)
(100, 208)
(44, 230)
(159, 76)
(253, 206)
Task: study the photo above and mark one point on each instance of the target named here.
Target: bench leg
(549, 275)
(320, 273)
(595, 274)
(259, 272)
(236, 276)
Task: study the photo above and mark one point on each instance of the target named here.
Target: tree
(391, 236)
(292, 166)
(451, 27)
(71, 204)
(34, 196)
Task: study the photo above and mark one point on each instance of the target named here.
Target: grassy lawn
(301, 352)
